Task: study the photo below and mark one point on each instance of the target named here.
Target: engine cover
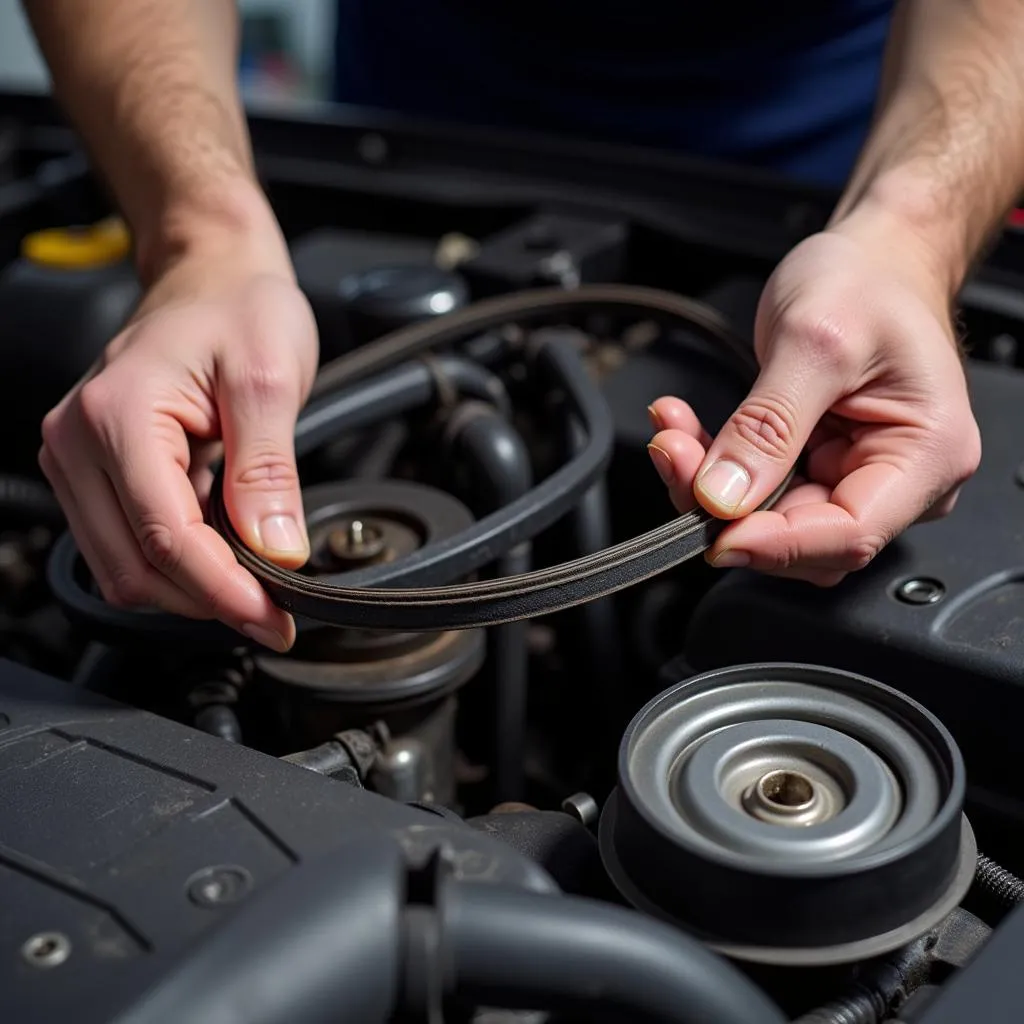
(126, 839)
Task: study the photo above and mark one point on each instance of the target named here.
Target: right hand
(861, 370)
(219, 357)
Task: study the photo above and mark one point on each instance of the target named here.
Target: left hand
(860, 367)
(216, 363)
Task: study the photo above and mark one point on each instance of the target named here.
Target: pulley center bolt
(356, 540)
(786, 797)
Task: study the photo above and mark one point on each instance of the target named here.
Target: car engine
(530, 759)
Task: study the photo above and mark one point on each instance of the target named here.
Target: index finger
(151, 480)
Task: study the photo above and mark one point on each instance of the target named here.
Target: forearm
(151, 87)
(945, 157)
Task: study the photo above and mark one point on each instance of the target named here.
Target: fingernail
(266, 637)
(282, 533)
(662, 463)
(655, 418)
(729, 559)
(725, 483)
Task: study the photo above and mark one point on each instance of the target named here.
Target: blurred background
(286, 50)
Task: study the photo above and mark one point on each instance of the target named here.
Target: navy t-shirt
(781, 84)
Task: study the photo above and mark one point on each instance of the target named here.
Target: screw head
(920, 591)
(218, 886)
(46, 949)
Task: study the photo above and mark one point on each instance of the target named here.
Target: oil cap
(89, 247)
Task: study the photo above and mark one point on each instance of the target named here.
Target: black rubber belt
(543, 591)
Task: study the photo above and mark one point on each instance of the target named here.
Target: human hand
(859, 365)
(222, 349)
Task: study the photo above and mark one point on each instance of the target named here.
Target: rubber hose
(221, 721)
(500, 457)
(997, 883)
(394, 392)
(29, 500)
(512, 665)
(517, 950)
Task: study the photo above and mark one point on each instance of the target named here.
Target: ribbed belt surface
(366, 603)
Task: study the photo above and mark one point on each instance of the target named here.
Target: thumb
(764, 437)
(261, 482)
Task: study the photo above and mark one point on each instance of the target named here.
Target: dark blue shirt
(782, 84)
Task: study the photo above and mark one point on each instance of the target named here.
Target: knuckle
(159, 544)
(267, 468)
(822, 337)
(46, 462)
(56, 431)
(863, 551)
(829, 580)
(768, 424)
(213, 603)
(94, 400)
(125, 589)
(264, 383)
(50, 429)
(970, 455)
(779, 559)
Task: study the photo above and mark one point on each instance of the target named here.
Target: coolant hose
(516, 950)
(481, 435)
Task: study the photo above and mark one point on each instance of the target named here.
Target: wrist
(900, 217)
(229, 222)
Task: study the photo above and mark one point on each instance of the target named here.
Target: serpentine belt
(540, 592)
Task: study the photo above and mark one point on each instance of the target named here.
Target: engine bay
(530, 759)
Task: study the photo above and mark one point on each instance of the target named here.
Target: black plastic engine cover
(961, 656)
(133, 837)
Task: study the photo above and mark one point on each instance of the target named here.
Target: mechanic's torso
(788, 84)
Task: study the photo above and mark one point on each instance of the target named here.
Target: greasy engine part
(790, 815)
(336, 679)
(888, 983)
(365, 602)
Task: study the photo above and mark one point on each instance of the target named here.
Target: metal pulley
(790, 815)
